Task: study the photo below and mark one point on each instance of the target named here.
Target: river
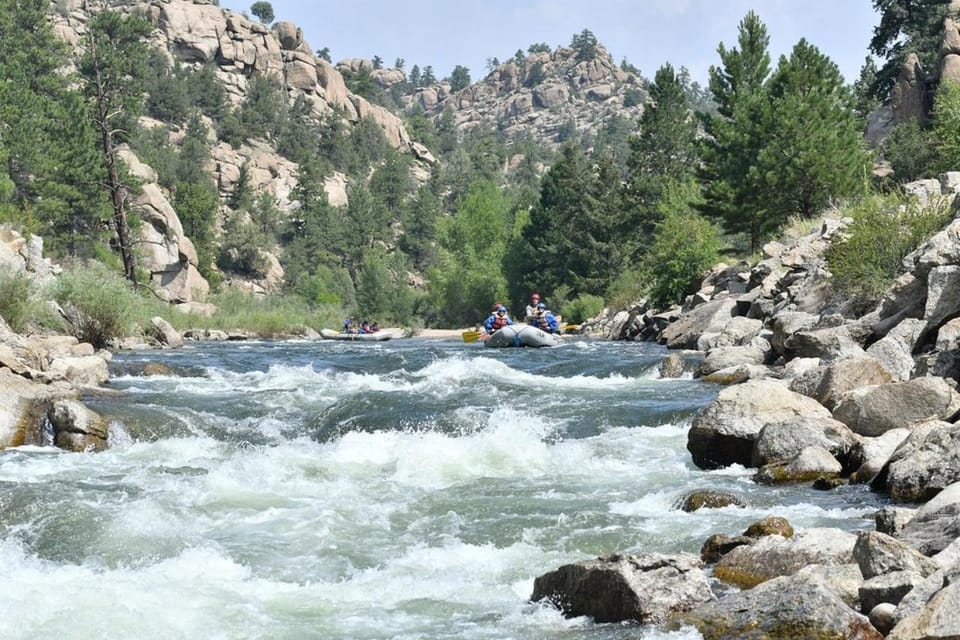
(410, 489)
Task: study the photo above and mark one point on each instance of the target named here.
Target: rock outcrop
(542, 96)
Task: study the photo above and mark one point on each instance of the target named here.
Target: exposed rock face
(645, 588)
(202, 33)
(950, 48)
(542, 96)
(909, 95)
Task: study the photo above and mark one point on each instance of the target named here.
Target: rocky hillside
(542, 96)
(197, 32)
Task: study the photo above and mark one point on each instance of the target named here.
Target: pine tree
(813, 150)
(113, 68)
(736, 133)
(665, 150)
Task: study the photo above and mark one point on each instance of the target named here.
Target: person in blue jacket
(497, 320)
(544, 320)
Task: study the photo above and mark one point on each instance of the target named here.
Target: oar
(569, 328)
(471, 336)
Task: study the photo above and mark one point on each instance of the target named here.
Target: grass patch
(16, 305)
(271, 316)
(100, 304)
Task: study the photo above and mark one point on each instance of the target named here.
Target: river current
(410, 489)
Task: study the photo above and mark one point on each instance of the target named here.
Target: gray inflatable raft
(522, 335)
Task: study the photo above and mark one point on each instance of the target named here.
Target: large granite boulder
(936, 524)
(645, 588)
(878, 553)
(725, 433)
(796, 606)
(773, 556)
(874, 410)
(924, 464)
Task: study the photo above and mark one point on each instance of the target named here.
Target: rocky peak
(541, 94)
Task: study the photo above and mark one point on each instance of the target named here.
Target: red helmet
(535, 296)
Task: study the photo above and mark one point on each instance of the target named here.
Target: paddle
(471, 336)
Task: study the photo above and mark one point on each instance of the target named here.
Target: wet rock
(645, 588)
(773, 556)
(811, 463)
(770, 526)
(708, 499)
(718, 545)
(77, 428)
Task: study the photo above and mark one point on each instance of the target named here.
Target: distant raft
(522, 335)
(379, 336)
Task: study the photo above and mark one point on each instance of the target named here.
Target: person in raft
(532, 307)
(497, 320)
(348, 326)
(365, 327)
(544, 320)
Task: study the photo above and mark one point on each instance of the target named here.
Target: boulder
(729, 357)
(936, 524)
(874, 410)
(77, 428)
(711, 317)
(645, 588)
(784, 440)
(889, 587)
(891, 520)
(811, 463)
(773, 556)
(924, 464)
(869, 455)
(936, 619)
(895, 350)
(708, 499)
(719, 545)
(726, 431)
(829, 343)
(23, 409)
(846, 375)
(878, 553)
(80, 370)
(796, 606)
(882, 617)
(164, 333)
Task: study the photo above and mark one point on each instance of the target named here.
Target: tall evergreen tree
(113, 68)
(736, 133)
(665, 150)
(50, 171)
(813, 150)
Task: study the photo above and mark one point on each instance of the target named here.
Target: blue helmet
(541, 306)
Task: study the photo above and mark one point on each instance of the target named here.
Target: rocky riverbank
(821, 395)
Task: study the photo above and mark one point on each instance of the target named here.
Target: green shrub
(885, 228)
(685, 246)
(581, 308)
(15, 302)
(99, 302)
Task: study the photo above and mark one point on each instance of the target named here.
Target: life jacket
(499, 322)
(540, 322)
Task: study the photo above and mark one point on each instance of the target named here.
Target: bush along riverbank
(833, 376)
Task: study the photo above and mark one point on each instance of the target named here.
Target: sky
(648, 33)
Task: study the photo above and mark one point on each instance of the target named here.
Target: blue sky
(445, 33)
